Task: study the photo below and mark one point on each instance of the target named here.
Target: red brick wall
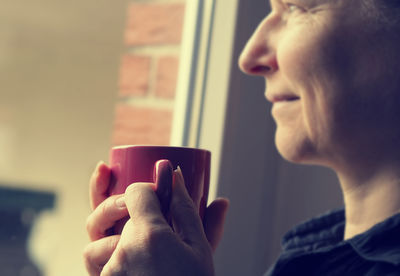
(148, 72)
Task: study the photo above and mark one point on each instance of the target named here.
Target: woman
(331, 70)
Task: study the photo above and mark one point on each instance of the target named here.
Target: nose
(258, 56)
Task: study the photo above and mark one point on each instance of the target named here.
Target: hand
(100, 250)
(106, 212)
(150, 246)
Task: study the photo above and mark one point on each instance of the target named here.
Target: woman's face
(331, 75)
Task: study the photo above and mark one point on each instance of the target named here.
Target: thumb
(214, 219)
(163, 173)
(185, 216)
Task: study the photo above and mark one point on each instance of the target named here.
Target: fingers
(105, 216)
(116, 265)
(143, 204)
(214, 219)
(163, 173)
(184, 213)
(97, 254)
(98, 184)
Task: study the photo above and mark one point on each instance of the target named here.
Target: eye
(293, 8)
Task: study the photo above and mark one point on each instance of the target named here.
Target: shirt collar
(379, 243)
(325, 229)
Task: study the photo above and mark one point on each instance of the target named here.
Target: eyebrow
(271, 2)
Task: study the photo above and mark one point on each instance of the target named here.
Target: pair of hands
(148, 244)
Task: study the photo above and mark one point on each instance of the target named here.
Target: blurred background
(59, 64)
(77, 77)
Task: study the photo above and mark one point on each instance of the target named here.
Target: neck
(369, 198)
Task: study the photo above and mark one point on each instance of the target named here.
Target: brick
(167, 73)
(141, 125)
(154, 23)
(134, 75)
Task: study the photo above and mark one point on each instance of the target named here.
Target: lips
(285, 106)
(274, 98)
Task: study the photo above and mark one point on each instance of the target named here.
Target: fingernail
(160, 167)
(163, 175)
(120, 202)
(179, 172)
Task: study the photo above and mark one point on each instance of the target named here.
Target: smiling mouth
(282, 98)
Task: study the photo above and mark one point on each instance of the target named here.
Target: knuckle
(133, 188)
(94, 220)
(113, 242)
(89, 225)
(150, 231)
(138, 187)
(107, 207)
(103, 209)
(159, 240)
(153, 238)
(87, 253)
(88, 260)
(121, 259)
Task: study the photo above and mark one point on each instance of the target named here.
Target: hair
(385, 12)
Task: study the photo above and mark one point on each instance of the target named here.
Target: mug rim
(121, 147)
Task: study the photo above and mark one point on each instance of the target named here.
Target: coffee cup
(139, 163)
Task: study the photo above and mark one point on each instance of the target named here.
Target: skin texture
(340, 65)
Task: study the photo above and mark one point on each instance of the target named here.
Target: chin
(296, 149)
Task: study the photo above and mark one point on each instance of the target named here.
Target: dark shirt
(316, 247)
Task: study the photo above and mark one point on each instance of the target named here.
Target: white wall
(59, 65)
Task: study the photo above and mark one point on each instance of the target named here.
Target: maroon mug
(130, 164)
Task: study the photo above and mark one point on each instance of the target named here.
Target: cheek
(310, 69)
(302, 66)
(294, 59)
(306, 66)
